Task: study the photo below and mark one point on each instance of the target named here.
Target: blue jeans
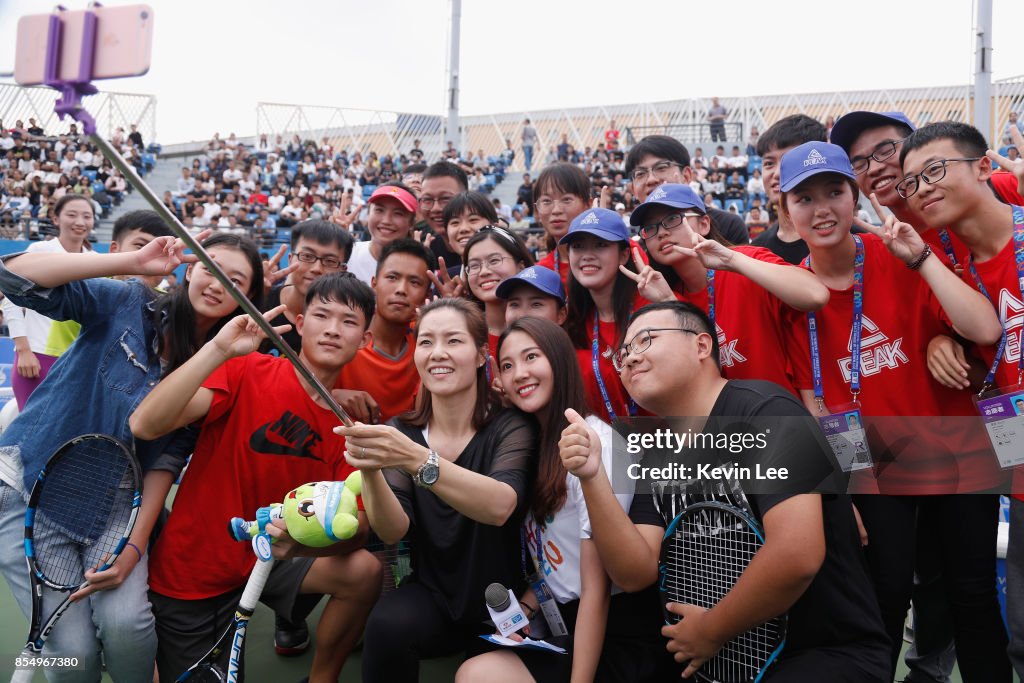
(120, 622)
(528, 156)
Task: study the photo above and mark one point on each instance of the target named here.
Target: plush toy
(316, 514)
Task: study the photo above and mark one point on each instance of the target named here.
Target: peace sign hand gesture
(713, 255)
(1016, 167)
(650, 284)
(900, 238)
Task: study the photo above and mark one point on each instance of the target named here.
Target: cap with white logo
(603, 223)
(538, 277)
(672, 195)
(810, 159)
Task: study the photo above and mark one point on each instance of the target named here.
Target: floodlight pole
(452, 132)
(983, 72)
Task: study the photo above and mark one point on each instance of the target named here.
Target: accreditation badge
(845, 433)
(1002, 411)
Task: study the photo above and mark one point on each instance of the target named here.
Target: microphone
(504, 609)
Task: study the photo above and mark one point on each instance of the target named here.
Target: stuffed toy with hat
(317, 514)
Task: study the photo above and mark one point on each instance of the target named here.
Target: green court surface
(262, 663)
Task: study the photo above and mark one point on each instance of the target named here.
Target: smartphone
(124, 44)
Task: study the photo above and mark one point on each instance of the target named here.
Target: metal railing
(110, 109)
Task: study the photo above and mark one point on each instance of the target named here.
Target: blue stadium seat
(98, 187)
(149, 161)
(284, 236)
(738, 203)
(716, 203)
(155, 148)
(293, 167)
(91, 175)
(753, 164)
(368, 190)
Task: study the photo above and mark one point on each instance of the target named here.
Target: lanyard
(711, 299)
(1018, 254)
(947, 246)
(858, 315)
(595, 355)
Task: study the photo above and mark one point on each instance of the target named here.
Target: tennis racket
(210, 669)
(706, 549)
(80, 514)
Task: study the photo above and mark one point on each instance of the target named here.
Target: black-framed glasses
(932, 173)
(492, 262)
(329, 262)
(640, 342)
(427, 201)
(881, 152)
(669, 223)
(641, 173)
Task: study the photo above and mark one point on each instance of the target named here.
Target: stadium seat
(91, 175)
(149, 161)
(368, 190)
(753, 164)
(738, 203)
(98, 187)
(155, 148)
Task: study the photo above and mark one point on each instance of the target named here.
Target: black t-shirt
(790, 252)
(729, 225)
(452, 555)
(839, 607)
(293, 338)
(441, 250)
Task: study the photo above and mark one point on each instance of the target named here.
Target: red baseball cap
(394, 192)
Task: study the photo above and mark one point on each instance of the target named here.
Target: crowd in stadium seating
(37, 168)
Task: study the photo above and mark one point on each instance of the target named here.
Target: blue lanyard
(1018, 254)
(947, 246)
(858, 315)
(595, 354)
(711, 299)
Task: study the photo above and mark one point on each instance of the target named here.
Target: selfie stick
(70, 104)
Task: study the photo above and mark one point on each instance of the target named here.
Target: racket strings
(84, 507)
(704, 558)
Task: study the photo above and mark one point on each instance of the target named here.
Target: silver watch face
(429, 473)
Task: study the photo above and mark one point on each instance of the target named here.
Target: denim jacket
(97, 383)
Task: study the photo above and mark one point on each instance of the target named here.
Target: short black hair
(791, 131)
(690, 317)
(446, 169)
(472, 202)
(407, 246)
(414, 168)
(323, 232)
(344, 288)
(966, 138)
(145, 220)
(661, 146)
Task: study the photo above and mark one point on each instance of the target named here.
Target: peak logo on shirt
(1011, 313)
(877, 353)
(727, 353)
(289, 435)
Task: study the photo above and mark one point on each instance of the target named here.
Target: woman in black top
(451, 476)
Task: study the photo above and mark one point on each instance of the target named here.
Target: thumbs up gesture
(580, 447)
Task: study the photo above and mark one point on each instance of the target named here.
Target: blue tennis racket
(705, 550)
(80, 515)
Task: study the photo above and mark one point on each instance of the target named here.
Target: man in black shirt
(441, 181)
(810, 565)
(658, 159)
(135, 137)
(781, 238)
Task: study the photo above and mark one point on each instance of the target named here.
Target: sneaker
(290, 639)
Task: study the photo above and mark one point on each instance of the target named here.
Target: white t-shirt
(275, 202)
(361, 263)
(561, 537)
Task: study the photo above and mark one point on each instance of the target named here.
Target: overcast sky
(213, 60)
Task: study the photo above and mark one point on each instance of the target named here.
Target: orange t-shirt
(393, 382)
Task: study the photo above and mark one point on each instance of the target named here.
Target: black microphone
(504, 608)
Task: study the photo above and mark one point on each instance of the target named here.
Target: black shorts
(187, 629)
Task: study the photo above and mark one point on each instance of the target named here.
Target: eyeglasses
(492, 262)
(329, 262)
(659, 170)
(427, 201)
(546, 203)
(669, 222)
(933, 173)
(881, 152)
(640, 342)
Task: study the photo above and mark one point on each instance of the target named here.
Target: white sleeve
(609, 438)
(14, 316)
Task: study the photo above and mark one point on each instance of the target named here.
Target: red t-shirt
(900, 316)
(563, 266)
(1007, 187)
(748, 320)
(611, 139)
(608, 340)
(393, 382)
(250, 453)
(492, 346)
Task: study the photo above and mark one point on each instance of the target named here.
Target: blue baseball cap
(672, 195)
(849, 126)
(538, 277)
(604, 223)
(810, 159)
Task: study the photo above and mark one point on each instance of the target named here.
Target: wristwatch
(426, 475)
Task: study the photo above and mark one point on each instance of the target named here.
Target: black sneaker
(290, 639)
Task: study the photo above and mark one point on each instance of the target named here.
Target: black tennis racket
(211, 668)
(706, 549)
(81, 512)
